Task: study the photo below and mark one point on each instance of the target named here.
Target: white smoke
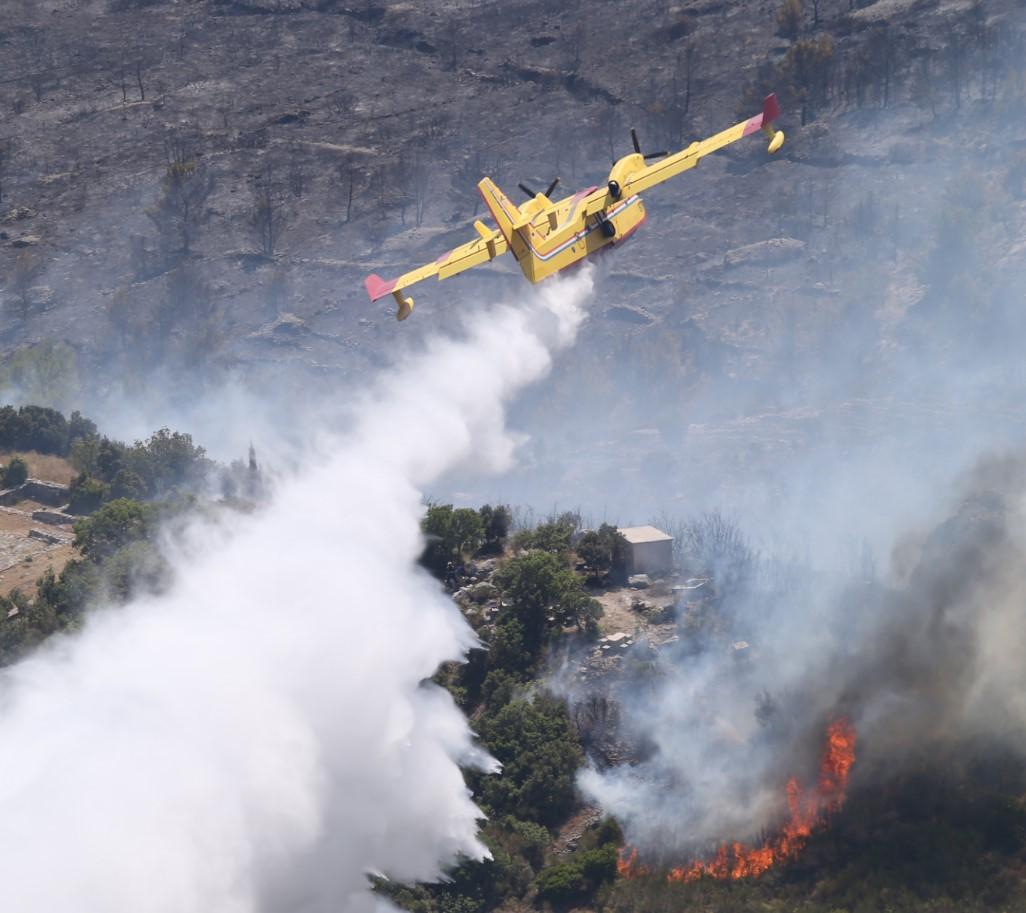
(261, 737)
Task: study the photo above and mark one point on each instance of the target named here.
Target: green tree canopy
(603, 551)
(451, 534)
(540, 586)
(539, 750)
(113, 526)
(496, 522)
(168, 460)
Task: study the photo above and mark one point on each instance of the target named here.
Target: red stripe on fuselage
(605, 247)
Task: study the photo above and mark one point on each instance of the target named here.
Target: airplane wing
(488, 246)
(688, 158)
(647, 176)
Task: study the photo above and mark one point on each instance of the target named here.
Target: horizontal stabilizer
(378, 287)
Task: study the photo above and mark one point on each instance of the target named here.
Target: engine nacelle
(622, 171)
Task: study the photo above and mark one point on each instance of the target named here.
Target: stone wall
(50, 493)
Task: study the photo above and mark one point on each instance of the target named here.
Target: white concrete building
(650, 550)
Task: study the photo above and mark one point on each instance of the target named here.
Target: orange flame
(808, 809)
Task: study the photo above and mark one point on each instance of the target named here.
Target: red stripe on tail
(770, 112)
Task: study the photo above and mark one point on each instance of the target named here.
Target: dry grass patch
(43, 466)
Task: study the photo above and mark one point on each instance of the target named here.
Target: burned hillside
(192, 194)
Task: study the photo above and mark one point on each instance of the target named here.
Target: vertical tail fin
(505, 212)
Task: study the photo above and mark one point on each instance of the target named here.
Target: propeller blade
(634, 139)
(655, 155)
(526, 190)
(552, 187)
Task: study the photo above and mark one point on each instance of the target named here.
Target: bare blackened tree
(808, 67)
(882, 56)
(123, 79)
(268, 217)
(183, 319)
(1014, 47)
(714, 545)
(611, 128)
(469, 170)
(131, 68)
(277, 291)
(674, 117)
(5, 155)
(573, 43)
(452, 42)
(683, 76)
(789, 18)
(418, 179)
(27, 268)
(39, 61)
(122, 313)
(923, 89)
(37, 80)
(955, 67)
(180, 209)
(296, 176)
(348, 177)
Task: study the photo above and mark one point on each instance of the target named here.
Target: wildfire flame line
(808, 809)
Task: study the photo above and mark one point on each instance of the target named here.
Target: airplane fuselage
(553, 236)
(563, 248)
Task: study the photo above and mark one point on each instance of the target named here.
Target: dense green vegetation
(118, 559)
(124, 494)
(41, 429)
(166, 462)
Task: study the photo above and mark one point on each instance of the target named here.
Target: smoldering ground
(260, 737)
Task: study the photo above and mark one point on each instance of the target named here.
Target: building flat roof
(638, 534)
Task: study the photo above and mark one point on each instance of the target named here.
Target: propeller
(637, 147)
(532, 194)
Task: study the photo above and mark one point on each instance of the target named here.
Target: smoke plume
(925, 660)
(261, 737)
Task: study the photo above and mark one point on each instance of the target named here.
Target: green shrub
(86, 495)
(15, 473)
(553, 536)
(598, 865)
(561, 884)
(538, 747)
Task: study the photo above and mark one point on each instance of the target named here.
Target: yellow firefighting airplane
(547, 237)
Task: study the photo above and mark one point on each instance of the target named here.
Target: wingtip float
(546, 237)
